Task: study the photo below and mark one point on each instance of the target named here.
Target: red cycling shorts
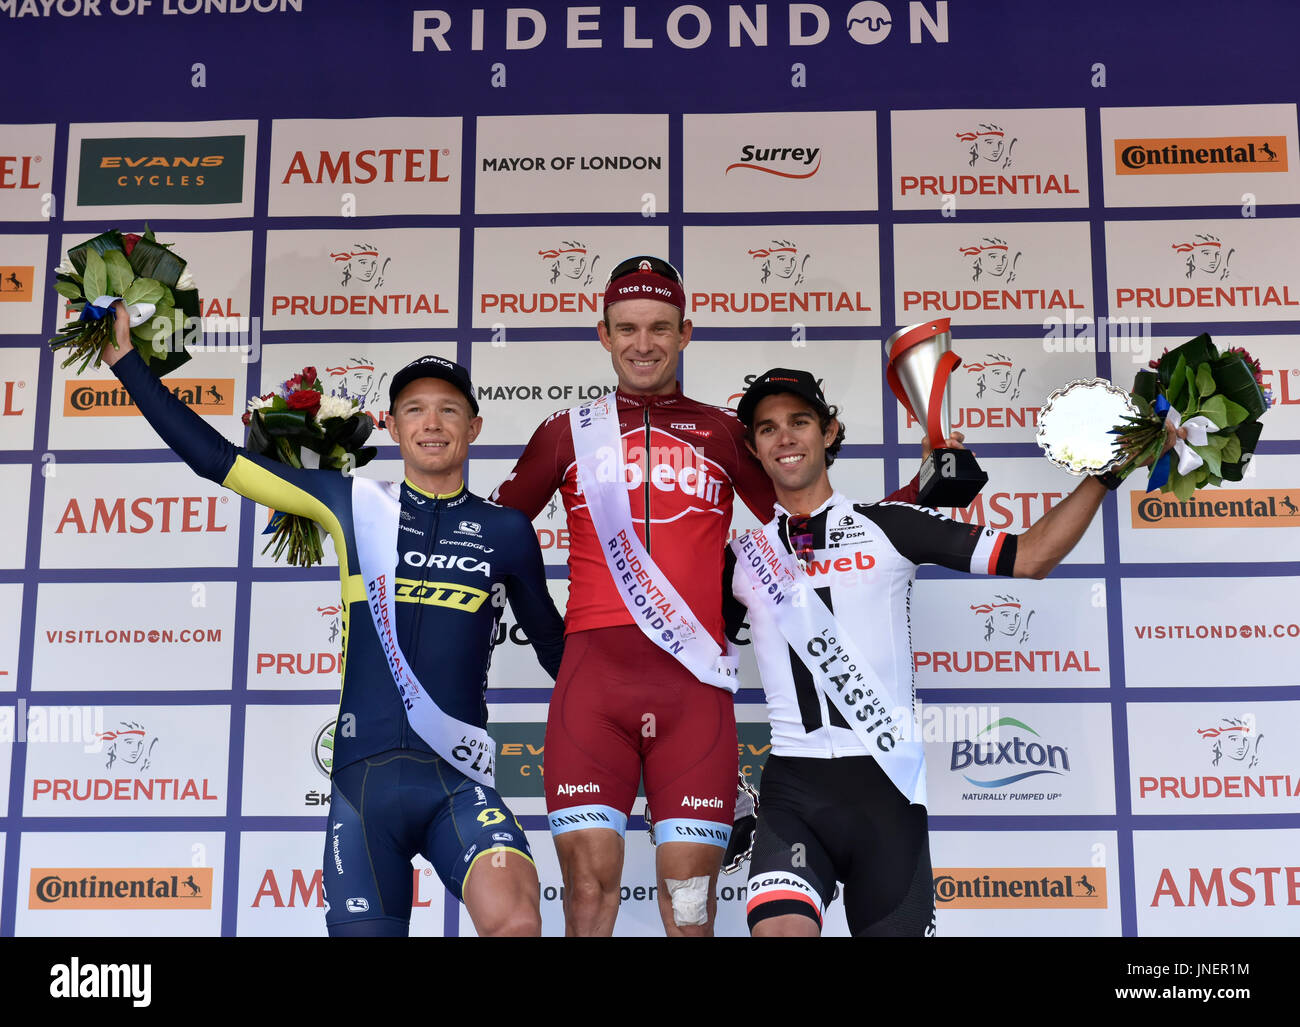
(621, 705)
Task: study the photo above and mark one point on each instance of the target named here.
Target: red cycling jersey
(685, 462)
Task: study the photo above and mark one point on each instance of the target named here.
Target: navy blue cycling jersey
(459, 558)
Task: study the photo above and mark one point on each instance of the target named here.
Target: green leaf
(153, 261)
(1211, 457)
(1146, 385)
(1205, 381)
(1231, 451)
(95, 277)
(1177, 380)
(101, 244)
(120, 275)
(1182, 486)
(1189, 403)
(144, 290)
(1223, 411)
(68, 290)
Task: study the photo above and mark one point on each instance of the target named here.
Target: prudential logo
(992, 761)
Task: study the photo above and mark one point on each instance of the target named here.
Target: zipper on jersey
(412, 654)
(645, 484)
(822, 702)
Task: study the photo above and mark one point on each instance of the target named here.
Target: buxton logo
(1218, 508)
(989, 144)
(1005, 616)
(16, 283)
(362, 271)
(188, 170)
(157, 514)
(209, 396)
(1008, 757)
(120, 888)
(805, 161)
(1208, 155)
(362, 167)
(1020, 887)
(1205, 258)
(20, 172)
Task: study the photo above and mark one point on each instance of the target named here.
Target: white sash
(375, 513)
(843, 675)
(656, 608)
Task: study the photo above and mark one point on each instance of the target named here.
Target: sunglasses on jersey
(799, 532)
(637, 265)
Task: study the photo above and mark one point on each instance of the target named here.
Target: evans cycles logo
(189, 169)
(996, 763)
(1208, 155)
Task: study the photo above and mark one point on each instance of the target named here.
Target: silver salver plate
(1075, 425)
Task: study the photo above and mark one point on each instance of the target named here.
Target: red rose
(129, 240)
(247, 417)
(304, 399)
(293, 382)
(308, 375)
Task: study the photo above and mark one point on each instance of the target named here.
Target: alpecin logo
(997, 374)
(780, 260)
(571, 260)
(1005, 616)
(1205, 257)
(991, 256)
(1233, 738)
(988, 143)
(361, 264)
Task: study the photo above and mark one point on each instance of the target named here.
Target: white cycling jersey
(863, 565)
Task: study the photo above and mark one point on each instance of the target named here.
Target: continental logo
(1238, 508)
(16, 283)
(120, 888)
(1020, 887)
(208, 396)
(1209, 155)
(188, 170)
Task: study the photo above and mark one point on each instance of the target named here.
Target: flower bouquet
(301, 426)
(1216, 398)
(147, 277)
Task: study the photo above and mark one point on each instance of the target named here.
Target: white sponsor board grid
(295, 634)
(773, 276)
(134, 636)
(1001, 385)
(989, 159)
(181, 176)
(19, 370)
(848, 372)
(551, 524)
(361, 278)
(22, 283)
(1218, 182)
(810, 160)
(15, 499)
(142, 761)
(1019, 759)
(93, 411)
(1019, 491)
(1279, 360)
(520, 384)
(1237, 522)
(8, 734)
(552, 276)
(514, 661)
(385, 165)
(11, 618)
(967, 856)
(1216, 883)
(993, 632)
(288, 754)
(26, 172)
(1211, 632)
(992, 273)
(562, 163)
(150, 854)
(137, 515)
(1213, 757)
(1209, 269)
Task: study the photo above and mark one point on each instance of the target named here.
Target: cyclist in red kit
(648, 477)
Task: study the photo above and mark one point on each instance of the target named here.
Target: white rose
(65, 267)
(186, 282)
(335, 406)
(258, 403)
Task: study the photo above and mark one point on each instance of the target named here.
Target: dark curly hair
(823, 422)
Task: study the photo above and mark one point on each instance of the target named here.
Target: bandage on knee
(690, 900)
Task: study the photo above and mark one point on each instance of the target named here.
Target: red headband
(646, 285)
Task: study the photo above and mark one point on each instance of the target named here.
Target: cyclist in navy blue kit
(425, 568)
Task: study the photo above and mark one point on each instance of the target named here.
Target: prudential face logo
(993, 761)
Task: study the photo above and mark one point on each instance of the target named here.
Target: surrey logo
(1205, 256)
(1233, 738)
(998, 375)
(989, 143)
(129, 744)
(992, 256)
(1004, 616)
(571, 260)
(781, 260)
(362, 265)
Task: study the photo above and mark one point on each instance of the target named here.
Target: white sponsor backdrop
(15, 502)
(18, 397)
(1217, 883)
(22, 288)
(295, 634)
(26, 172)
(11, 619)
